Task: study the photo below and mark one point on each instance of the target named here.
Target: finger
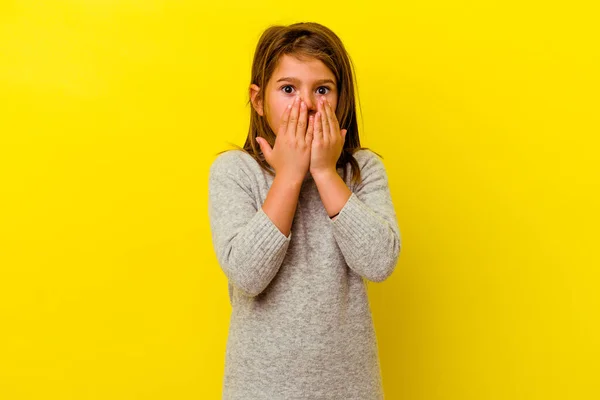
(324, 123)
(309, 132)
(334, 121)
(301, 126)
(331, 122)
(291, 127)
(265, 148)
(318, 130)
(284, 119)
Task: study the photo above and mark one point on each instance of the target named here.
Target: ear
(256, 103)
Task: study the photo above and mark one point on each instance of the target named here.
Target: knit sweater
(301, 325)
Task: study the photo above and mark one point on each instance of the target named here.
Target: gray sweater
(301, 324)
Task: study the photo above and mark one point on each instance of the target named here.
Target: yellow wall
(111, 112)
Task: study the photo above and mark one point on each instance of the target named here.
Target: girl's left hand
(328, 141)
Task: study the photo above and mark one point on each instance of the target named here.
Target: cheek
(332, 106)
(273, 118)
(277, 115)
(332, 100)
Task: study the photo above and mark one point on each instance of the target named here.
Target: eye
(286, 86)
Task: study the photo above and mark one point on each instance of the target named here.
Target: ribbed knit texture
(301, 324)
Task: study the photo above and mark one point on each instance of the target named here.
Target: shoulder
(368, 160)
(232, 162)
(373, 174)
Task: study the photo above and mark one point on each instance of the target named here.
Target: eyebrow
(291, 79)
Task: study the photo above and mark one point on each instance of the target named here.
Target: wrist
(323, 173)
(289, 180)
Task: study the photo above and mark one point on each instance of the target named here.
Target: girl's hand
(328, 141)
(290, 155)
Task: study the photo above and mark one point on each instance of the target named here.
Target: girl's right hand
(290, 155)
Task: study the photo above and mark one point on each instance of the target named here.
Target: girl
(301, 219)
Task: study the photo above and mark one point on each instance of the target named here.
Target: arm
(249, 245)
(281, 202)
(366, 228)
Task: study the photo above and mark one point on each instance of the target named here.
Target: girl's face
(308, 79)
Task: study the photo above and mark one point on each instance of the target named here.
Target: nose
(311, 102)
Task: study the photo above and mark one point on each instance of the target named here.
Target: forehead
(305, 69)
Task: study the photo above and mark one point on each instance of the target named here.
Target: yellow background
(487, 116)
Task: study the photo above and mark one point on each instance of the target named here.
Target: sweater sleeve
(248, 245)
(366, 229)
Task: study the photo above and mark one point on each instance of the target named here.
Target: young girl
(301, 218)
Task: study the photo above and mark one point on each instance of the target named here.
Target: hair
(312, 40)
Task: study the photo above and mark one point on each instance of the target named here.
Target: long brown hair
(308, 39)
